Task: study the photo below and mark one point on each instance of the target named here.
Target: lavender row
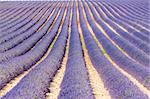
(75, 83)
(32, 25)
(14, 13)
(20, 18)
(19, 27)
(126, 20)
(133, 12)
(11, 42)
(36, 82)
(16, 66)
(126, 26)
(112, 78)
(10, 8)
(9, 14)
(12, 16)
(143, 5)
(131, 38)
(129, 48)
(144, 23)
(132, 19)
(25, 45)
(137, 70)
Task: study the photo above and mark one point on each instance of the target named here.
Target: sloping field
(75, 50)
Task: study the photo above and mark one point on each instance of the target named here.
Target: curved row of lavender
(34, 37)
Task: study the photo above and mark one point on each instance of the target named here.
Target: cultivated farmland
(75, 49)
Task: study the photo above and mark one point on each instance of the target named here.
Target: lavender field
(75, 49)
